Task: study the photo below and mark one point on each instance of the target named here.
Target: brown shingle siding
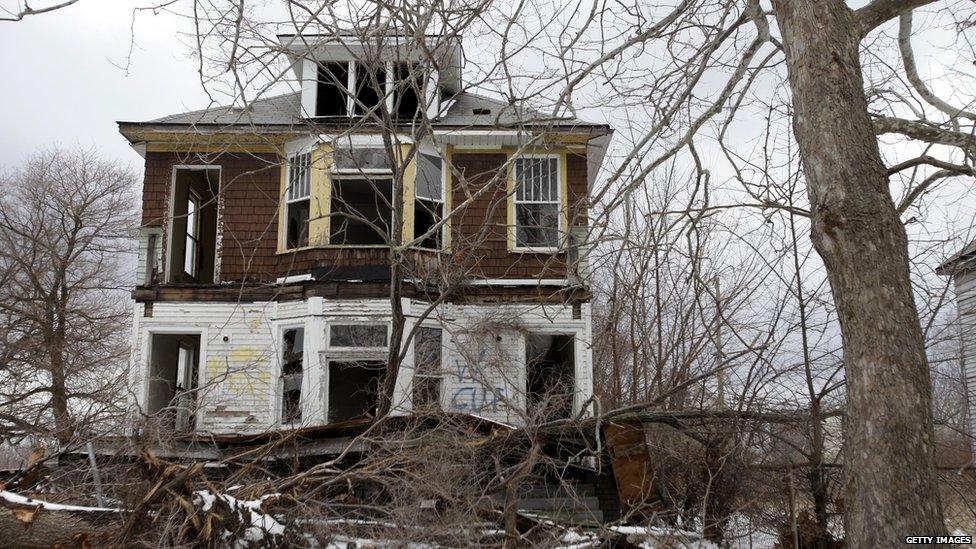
(249, 195)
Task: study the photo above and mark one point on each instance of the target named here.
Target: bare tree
(65, 228)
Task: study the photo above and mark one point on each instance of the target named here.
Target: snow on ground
(24, 500)
(260, 524)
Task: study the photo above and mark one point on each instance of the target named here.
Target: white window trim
(441, 405)
(197, 200)
(170, 234)
(560, 230)
(279, 386)
(355, 352)
(287, 194)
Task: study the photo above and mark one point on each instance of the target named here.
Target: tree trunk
(891, 482)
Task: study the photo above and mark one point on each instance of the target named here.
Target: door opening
(173, 371)
(550, 362)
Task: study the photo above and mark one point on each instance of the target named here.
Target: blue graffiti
(477, 399)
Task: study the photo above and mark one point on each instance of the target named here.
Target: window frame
(443, 200)
(346, 175)
(560, 203)
(279, 383)
(192, 198)
(289, 200)
(439, 375)
(356, 352)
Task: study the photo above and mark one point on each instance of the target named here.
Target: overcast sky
(66, 83)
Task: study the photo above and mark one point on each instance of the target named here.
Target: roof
(464, 109)
(964, 259)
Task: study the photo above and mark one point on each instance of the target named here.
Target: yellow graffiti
(242, 371)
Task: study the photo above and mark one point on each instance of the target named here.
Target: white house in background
(962, 268)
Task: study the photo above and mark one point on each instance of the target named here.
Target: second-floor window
(361, 201)
(191, 262)
(297, 200)
(429, 205)
(537, 202)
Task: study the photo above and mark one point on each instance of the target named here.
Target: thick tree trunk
(891, 483)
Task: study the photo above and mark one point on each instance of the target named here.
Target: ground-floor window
(292, 370)
(428, 374)
(356, 356)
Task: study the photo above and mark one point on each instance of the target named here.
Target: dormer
(347, 76)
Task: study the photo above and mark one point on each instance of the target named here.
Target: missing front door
(193, 234)
(550, 365)
(173, 370)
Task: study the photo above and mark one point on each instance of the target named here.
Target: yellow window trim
(320, 197)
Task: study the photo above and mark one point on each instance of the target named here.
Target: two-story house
(281, 244)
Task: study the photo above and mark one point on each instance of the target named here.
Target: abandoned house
(962, 268)
(263, 297)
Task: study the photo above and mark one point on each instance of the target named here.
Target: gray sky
(68, 85)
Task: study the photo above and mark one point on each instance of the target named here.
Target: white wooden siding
(483, 355)
(966, 302)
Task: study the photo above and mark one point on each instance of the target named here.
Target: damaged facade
(264, 289)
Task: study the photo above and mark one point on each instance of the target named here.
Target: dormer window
(373, 87)
(333, 81)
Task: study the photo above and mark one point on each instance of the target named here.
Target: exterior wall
(483, 355)
(966, 302)
(248, 209)
(248, 219)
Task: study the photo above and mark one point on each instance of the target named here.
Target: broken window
(550, 363)
(331, 98)
(428, 374)
(429, 204)
(406, 91)
(537, 202)
(192, 240)
(191, 261)
(358, 335)
(292, 367)
(362, 211)
(297, 200)
(356, 359)
(370, 89)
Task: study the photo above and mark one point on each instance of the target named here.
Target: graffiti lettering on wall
(474, 395)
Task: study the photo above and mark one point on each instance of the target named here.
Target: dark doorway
(354, 388)
(173, 371)
(193, 246)
(550, 362)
